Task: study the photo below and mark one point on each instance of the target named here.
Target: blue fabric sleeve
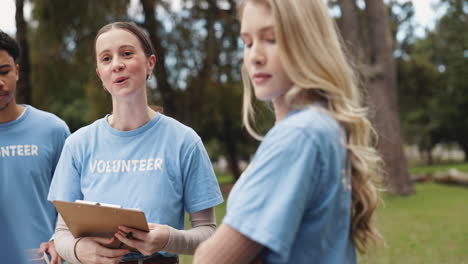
(278, 186)
(201, 188)
(66, 181)
(63, 133)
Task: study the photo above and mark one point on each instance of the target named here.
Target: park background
(414, 78)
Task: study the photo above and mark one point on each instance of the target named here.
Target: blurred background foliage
(197, 79)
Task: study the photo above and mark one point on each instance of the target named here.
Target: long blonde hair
(312, 54)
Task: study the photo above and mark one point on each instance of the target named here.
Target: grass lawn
(430, 227)
(426, 169)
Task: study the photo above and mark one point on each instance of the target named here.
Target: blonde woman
(308, 195)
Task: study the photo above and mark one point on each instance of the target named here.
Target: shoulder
(48, 118)
(179, 131)
(84, 133)
(312, 123)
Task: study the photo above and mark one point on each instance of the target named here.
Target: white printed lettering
(5, 151)
(27, 150)
(108, 167)
(142, 165)
(34, 150)
(92, 167)
(19, 150)
(12, 149)
(134, 162)
(150, 165)
(101, 166)
(125, 165)
(115, 165)
(158, 164)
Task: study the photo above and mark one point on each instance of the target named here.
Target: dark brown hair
(132, 28)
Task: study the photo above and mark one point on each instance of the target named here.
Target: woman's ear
(98, 74)
(151, 63)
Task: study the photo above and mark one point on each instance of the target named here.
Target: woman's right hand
(93, 250)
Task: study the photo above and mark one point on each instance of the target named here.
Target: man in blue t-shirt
(31, 141)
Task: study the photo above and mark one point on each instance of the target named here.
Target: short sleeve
(201, 188)
(65, 184)
(62, 134)
(274, 192)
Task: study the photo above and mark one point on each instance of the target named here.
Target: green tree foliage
(450, 45)
(198, 78)
(197, 74)
(419, 103)
(418, 81)
(433, 90)
(63, 75)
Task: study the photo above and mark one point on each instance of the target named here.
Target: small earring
(148, 77)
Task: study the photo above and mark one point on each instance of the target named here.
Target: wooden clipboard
(98, 219)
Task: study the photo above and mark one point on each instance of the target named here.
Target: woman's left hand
(49, 247)
(145, 242)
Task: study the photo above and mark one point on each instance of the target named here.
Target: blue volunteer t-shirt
(295, 197)
(29, 150)
(161, 168)
(10, 250)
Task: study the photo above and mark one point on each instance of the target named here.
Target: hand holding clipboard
(99, 220)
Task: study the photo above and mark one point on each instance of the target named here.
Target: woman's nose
(118, 65)
(257, 55)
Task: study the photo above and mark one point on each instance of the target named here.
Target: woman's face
(261, 53)
(122, 64)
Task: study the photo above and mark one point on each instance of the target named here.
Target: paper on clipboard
(94, 219)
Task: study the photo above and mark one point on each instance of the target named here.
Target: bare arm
(229, 247)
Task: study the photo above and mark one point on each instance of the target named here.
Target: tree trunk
(427, 152)
(351, 30)
(232, 153)
(162, 76)
(230, 144)
(464, 147)
(198, 83)
(23, 94)
(377, 66)
(430, 158)
(382, 92)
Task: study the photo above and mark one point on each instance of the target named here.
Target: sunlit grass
(224, 178)
(426, 169)
(429, 227)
